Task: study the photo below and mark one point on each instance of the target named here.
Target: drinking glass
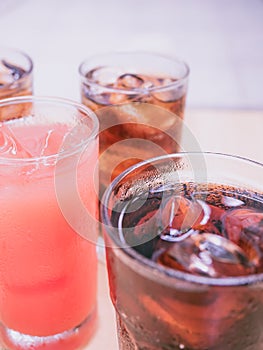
(139, 99)
(118, 86)
(184, 252)
(16, 73)
(48, 220)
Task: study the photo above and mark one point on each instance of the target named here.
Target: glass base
(73, 339)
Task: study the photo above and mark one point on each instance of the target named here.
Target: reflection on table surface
(106, 335)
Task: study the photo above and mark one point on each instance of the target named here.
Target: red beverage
(189, 274)
(16, 70)
(117, 86)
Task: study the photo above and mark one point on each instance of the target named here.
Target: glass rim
(168, 86)
(166, 272)
(58, 101)
(22, 54)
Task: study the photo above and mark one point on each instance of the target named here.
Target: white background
(222, 40)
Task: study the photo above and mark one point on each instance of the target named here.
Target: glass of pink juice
(48, 224)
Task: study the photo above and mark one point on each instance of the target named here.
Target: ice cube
(144, 121)
(244, 220)
(181, 217)
(129, 81)
(15, 71)
(213, 225)
(100, 86)
(169, 93)
(10, 146)
(147, 85)
(245, 228)
(50, 143)
(5, 75)
(104, 76)
(21, 138)
(97, 95)
(116, 98)
(209, 255)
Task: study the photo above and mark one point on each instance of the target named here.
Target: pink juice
(47, 270)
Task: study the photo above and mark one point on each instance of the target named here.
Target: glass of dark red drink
(16, 70)
(16, 79)
(129, 81)
(184, 244)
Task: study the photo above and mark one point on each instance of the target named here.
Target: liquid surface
(36, 141)
(213, 232)
(130, 87)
